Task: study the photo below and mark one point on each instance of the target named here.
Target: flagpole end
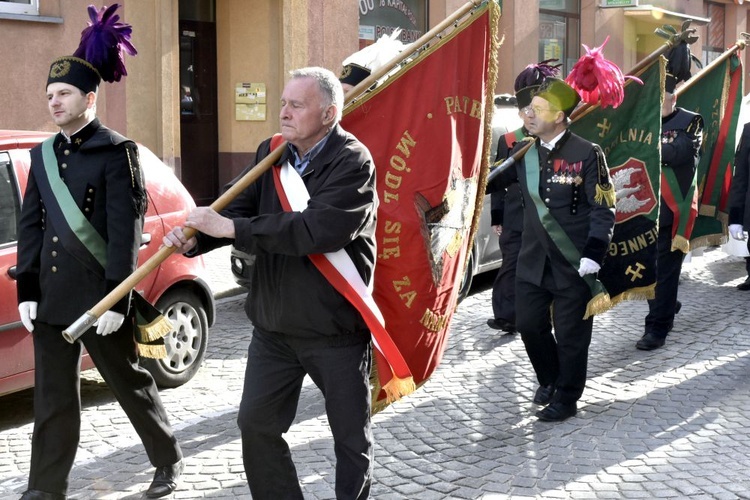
(79, 327)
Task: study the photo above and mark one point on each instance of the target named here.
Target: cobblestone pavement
(670, 423)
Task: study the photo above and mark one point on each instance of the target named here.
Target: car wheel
(186, 344)
(467, 278)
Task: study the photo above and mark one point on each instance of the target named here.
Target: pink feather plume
(598, 80)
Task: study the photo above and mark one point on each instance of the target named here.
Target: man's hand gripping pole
(87, 320)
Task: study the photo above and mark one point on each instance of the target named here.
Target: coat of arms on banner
(634, 193)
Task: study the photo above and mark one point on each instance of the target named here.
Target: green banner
(716, 95)
(630, 136)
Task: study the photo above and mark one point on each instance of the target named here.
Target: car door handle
(145, 239)
(12, 272)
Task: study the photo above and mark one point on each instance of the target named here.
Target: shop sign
(381, 17)
(619, 3)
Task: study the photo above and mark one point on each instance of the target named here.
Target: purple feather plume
(535, 74)
(104, 42)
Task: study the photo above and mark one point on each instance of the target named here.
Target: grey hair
(330, 87)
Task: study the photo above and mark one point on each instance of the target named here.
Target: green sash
(150, 326)
(684, 209)
(600, 298)
(75, 219)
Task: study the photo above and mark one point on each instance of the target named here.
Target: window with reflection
(714, 45)
(28, 7)
(10, 204)
(560, 32)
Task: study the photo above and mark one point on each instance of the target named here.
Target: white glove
(28, 314)
(588, 266)
(737, 231)
(109, 322)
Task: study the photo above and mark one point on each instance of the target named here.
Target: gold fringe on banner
(597, 305)
(396, 388)
(155, 330)
(153, 351)
(680, 243)
(640, 293)
(709, 240)
(707, 210)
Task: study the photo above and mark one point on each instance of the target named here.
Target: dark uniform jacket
(102, 172)
(288, 295)
(506, 205)
(682, 134)
(568, 179)
(739, 194)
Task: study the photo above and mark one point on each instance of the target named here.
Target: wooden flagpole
(83, 323)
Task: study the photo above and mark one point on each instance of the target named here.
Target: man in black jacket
(682, 135)
(80, 226)
(739, 198)
(302, 325)
(569, 219)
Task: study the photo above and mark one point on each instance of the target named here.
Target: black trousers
(661, 309)
(57, 401)
(560, 359)
(504, 287)
(273, 382)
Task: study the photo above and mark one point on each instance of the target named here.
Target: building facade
(204, 89)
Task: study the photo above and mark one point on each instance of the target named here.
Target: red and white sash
(339, 269)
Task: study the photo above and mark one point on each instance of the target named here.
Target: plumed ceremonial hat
(100, 54)
(363, 63)
(559, 94)
(529, 80)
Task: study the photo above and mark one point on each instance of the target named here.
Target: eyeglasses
(536, 110)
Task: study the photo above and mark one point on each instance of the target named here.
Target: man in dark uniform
(80, 227)
(569, 218)
(682, 135)
(739, 198)
(506, 208)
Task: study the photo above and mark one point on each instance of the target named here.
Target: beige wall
(152, 85)
(261, 41)
(27, 49)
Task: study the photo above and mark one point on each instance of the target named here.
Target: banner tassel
(680, 243)
(156, 329)
(598, 305)
(153, 351)
(396, 388)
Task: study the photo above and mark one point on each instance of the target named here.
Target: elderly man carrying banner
(320, 200)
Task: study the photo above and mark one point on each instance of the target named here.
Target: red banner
(427, 127)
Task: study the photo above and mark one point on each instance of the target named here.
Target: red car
(175, 287)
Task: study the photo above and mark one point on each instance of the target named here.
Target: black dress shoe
(544, 394)
(41, 495)
(557, 412)
(649, 342)
(501, 324)
(745, 285)
(165, 480)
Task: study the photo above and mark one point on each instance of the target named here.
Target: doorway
(199, 127)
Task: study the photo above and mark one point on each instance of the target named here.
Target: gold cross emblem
(604, 126)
